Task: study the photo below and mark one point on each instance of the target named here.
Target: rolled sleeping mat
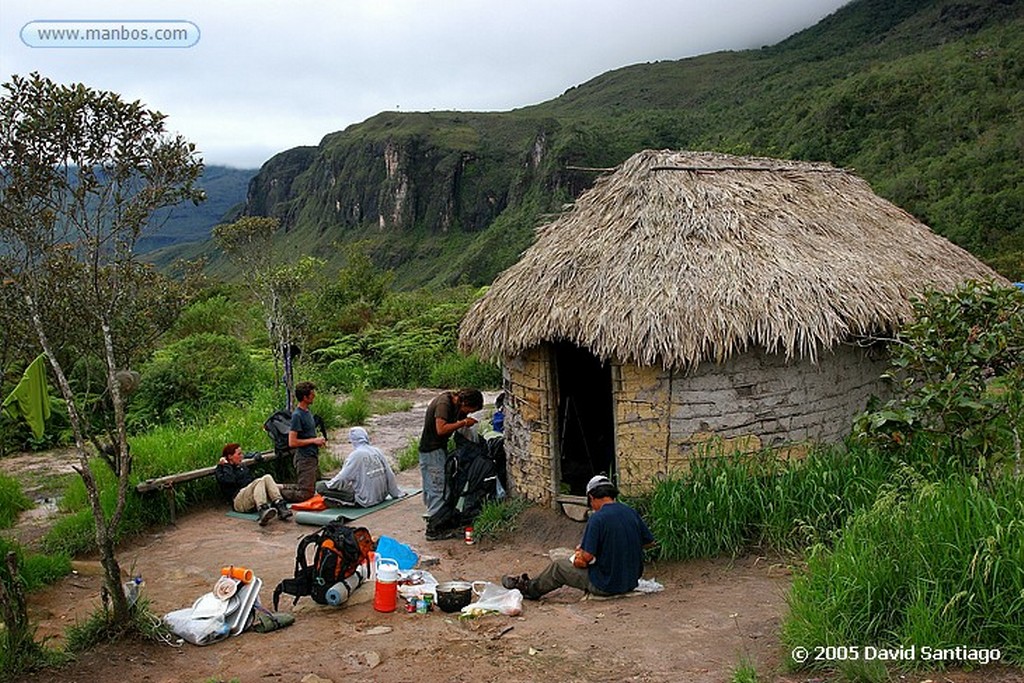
(318, 518)
(339, 593)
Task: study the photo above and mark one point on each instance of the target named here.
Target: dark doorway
(586, 430)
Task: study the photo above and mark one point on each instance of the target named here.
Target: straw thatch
(680, 257)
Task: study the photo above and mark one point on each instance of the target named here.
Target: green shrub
(214, 315)
(356, 408)
(12, 501)
(409, 456)
(958, 374)
(935, 564)
(452, 371)
(194, 377)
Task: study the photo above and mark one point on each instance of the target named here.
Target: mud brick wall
(751, 401)
(529, 421)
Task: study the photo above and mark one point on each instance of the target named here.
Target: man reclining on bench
(246, 493)
(365, 479)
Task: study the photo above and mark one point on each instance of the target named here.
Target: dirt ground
(712, 615)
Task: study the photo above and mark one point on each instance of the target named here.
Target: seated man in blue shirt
(609, 559)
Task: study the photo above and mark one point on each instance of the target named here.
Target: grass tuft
(499, 517)
(12, 501)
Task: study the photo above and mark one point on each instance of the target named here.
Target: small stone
(372, 659)
(378, 630)
(428, 561)
(313, 678)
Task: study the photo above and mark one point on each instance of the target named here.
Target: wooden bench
(167, 482)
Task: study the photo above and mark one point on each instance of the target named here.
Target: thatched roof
(680, 257)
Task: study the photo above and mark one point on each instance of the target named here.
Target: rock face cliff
(411, 184)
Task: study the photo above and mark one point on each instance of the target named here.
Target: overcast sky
(266, 75)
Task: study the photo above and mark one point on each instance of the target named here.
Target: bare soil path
(711, 615)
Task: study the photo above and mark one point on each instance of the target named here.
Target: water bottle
(132, 588)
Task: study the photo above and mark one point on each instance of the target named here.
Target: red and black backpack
(338, 551)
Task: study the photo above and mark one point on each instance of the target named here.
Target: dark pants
(560, 573)
(307, 471)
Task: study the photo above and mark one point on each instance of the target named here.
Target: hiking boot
(282, 509)
(267, 514)
(442, 535)
(516, 582)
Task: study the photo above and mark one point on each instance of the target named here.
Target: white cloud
(268, 75)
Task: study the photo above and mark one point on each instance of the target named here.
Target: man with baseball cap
(608, 561)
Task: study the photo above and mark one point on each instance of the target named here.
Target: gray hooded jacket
(366, 472)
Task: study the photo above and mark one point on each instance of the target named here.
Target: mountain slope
(923, 98)
(225, 188)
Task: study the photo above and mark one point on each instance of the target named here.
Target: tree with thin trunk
(249, 243)
(81, 174)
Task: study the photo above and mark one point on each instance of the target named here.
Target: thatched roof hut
(679, 258)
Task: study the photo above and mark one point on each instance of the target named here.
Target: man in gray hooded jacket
(365, 479)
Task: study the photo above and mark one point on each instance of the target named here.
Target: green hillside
(225, 188)
(924, 99)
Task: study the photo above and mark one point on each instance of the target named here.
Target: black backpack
(338, 552)
(471, 473)
(277, 426)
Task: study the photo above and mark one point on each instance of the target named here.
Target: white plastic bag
(197, 631)
(495, 598)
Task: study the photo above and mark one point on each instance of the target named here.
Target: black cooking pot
(452, 596)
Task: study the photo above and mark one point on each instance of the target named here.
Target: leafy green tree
(278, 287)
(83, 172)
(958, 375)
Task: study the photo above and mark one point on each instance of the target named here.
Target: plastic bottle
(385, 590)
(132, 588)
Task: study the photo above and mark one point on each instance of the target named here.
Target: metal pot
(452, 596)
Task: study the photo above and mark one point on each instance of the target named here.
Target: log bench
(167, 482)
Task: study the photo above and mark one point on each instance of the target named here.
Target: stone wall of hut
(530, 424)
(666, 419)
(754, 400)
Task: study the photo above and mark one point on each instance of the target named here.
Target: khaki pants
(307, 471)
(256, 494)
(560, 573)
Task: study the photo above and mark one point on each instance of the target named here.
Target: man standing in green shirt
(446, 414)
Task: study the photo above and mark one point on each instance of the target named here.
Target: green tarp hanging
(30, 399)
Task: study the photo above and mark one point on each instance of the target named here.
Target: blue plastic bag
(405, 556)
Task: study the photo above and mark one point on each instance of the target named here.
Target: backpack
(277, 426)
(473, 473)
(338, 552)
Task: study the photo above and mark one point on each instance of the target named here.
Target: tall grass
(726, 504)
(12, 501)
(355, 409)
(930, 563)
(36, 569)
(409, 456)
(498, 517)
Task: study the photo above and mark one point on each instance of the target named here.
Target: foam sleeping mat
(321, 517)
